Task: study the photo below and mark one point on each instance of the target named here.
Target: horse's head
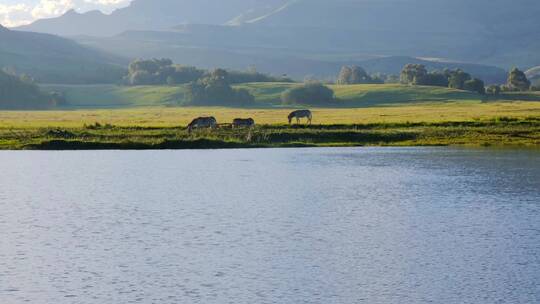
(291, 116)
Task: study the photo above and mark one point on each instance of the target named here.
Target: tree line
(165, 72)
(417, 74)
(21, 92)
(203, 87)
(317, 93)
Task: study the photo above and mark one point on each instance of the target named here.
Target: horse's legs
(297, 120)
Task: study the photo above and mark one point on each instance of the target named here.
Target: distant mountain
(249, 46)
(534, 75)
(151, 15)
(501, 32)
(493, 32)
(419, 16)
(49, 58)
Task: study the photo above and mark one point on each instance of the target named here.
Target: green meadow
(152, 117)
(269, 94)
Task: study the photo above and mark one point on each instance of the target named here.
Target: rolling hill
(266, 95)
(49, 58)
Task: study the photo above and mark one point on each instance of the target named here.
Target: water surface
(351, 225)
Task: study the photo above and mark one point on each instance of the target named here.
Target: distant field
(113, 96)
(268, 95)
(181, 116)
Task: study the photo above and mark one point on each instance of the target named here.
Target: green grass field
(461, 123)
(180, 116)
(148, 117)
(268, 95)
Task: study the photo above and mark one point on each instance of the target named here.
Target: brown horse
(301, 114)
(201, 123)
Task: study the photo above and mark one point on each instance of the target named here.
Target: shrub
(493, 90)
(475, 85)
(313, 93)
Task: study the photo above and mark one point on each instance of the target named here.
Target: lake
(336, 225)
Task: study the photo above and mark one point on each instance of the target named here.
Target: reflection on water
(380, 225)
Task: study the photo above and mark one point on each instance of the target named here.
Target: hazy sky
(17, 12)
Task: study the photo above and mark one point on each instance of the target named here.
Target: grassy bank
(523, 132)
(516, 123)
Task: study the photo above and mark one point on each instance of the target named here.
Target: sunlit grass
(268, 95)
(143, 118)
(181, 116)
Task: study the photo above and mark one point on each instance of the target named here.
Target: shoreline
(509, 132)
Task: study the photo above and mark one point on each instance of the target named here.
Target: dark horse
(301, 114)
(243, 123)
(202, 122)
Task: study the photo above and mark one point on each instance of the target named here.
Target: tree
(415, 74)
(353, 75)
(436, 79)
(475, 85)
(312, 93)
(359, 75)
(20, 92)
(517, 80)
(344, 76)
(216, 90)
(457, 79)
(163, 71)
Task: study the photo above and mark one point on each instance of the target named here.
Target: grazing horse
(301, 114)
(243, 123)
(202, 122)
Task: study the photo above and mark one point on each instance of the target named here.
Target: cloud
(12, 15)
(51, 8)
(19, 14)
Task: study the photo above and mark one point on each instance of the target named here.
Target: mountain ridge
(146, 15)
(50, 58)
(493, 32)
